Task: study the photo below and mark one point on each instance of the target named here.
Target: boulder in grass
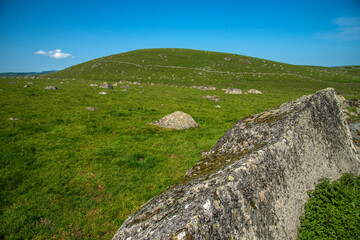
(103, 93)
(116, 84)
(212, 98)
(92, 108)
(176, 120)
(254, 91)
(233, 91)
(50, 88)
(93, 85)
(106, 85)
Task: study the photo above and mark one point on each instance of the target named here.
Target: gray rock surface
(233, 91)
(212, 98)
(254, 91)
(92, 108)
(50, 88)
(177, 120)
(106, 85)
(205, 88)
(253, 183)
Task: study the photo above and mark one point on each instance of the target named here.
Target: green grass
(333, 210)
(69, 173)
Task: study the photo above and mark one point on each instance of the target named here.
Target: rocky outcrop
(205, 88)
(177, 120)
(106, 85)
(254, 91)
(253, 183)
(212, 98)
(50, 88)
(233, 91)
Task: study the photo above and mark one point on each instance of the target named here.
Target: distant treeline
(23, 74)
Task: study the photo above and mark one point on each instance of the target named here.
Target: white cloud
(347, 29)
(40, 52)
(57, 54)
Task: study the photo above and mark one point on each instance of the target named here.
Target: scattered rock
(93, 85)
(97, 64)
(92, 108)
(50, 88)
(177, 120)
(233, 91)
(126, 86)
(254, 91)
(205, 88)
(116, 84)
(26, 86)
(253, 183)
(106, 85)
(358, 110)
(13, 119)
(163, 56)
(134, 83)
(228, 59)
(213, 98)
(61, 82)
(124, 90)
(218, 106)
(30, 83)
(103, 93)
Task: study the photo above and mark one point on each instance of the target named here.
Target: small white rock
(103, 93)
(13, 119)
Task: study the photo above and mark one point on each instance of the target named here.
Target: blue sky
(43, 35)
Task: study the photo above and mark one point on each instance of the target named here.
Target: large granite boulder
(177, 120)
(253, 183)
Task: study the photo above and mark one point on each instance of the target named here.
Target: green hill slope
(188, 67)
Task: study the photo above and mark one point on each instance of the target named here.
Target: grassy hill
(70, 173)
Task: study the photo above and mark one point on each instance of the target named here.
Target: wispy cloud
(57, 54)
(347, 29)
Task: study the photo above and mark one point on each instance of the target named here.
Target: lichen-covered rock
(177, 120)
(233, 91)
(253, 183)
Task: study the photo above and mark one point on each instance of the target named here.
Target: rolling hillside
(188, 67)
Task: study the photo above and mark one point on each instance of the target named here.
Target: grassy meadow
(70, 173)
